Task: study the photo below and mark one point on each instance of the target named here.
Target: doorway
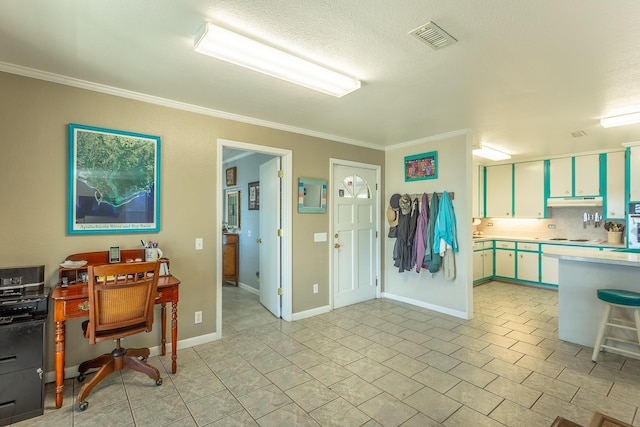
(285, 157)
(355, 246)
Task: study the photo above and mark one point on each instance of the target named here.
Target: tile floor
(375, 363)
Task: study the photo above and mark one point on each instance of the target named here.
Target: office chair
(121, 299)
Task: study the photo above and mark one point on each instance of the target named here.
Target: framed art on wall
(114, 181)
(254, 196)
(421, 166)
(231, 176)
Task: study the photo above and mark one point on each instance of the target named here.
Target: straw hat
(392, 216)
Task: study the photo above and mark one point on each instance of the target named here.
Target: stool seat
(622, 301)
(620, 297)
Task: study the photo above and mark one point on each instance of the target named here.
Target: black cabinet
(21, 371)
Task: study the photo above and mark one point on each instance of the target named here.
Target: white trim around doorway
(287, 208)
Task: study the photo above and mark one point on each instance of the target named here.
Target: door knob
(258, 240)
(336, 245)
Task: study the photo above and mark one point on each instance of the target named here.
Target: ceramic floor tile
(264, 401)
(398, 385)
(349, 415)
(449, 371)
(387, 410)
(311, 395)
(355, 390)
(474, 397)
(437, 406)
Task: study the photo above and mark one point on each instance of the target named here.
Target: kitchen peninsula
(580, 276)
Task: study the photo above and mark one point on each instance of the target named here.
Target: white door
(270, 243)
(355, 219)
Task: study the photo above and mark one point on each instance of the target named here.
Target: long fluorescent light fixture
(224, 44)
(627, 119)
(490, 153)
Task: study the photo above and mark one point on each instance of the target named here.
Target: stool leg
(601, 331)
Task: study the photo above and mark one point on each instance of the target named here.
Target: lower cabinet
(230, 257)
(21, 371)
(505, 259)
(528, 262)
(548, 267)
(482, 260)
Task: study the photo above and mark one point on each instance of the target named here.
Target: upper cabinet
(586, 172)
(561, 177)
(574, 176)
(499, 191)
(614, 200)
(529, 190)
(634, 175)
(478, 191)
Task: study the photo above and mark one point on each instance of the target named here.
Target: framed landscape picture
(114, 181)
(254, 196)
(421, 166)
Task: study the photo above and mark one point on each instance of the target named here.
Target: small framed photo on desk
(114, 254)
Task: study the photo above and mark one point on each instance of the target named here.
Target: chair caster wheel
(83, 405)
(159, 381)
(81, 378)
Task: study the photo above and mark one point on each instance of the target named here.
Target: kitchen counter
(581, 274)
(545, 241)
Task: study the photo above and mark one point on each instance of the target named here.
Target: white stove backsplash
(568, 222)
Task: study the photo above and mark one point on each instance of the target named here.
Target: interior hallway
(376, 363)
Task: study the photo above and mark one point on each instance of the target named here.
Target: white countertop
(590, 243)
(603, 257)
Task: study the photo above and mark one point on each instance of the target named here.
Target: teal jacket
(445, 227)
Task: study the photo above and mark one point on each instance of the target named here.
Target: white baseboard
(249, 288)
(438, 308)
(72, 371)
(311, 313)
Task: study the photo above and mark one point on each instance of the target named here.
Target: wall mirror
(232, 217)
(312, 195)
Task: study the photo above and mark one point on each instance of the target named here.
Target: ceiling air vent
(433, 36)
(578, 133)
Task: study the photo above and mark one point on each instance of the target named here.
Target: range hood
(556, 202)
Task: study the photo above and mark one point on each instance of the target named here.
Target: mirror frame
(302, 183)
(231, 197)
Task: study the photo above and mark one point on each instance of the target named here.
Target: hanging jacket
(410, 261)
(445, 228)
(420, 243)
(432, 259)
(400, 249)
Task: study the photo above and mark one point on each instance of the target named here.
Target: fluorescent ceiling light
(490, 153)
(627, 119)
(224, 44)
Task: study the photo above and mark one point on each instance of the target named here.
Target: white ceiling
(523, 76)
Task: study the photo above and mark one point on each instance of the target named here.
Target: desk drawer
(72, 308)
(167, 294)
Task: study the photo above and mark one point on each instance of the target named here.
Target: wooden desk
(71, 302)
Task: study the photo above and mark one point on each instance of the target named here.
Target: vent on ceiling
(578, 133)
(433, 36)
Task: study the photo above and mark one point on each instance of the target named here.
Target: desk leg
(163, 316)
(174, 337)
(59, 362)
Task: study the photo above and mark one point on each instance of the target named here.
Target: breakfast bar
(580, 276)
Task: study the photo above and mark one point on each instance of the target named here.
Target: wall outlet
(199, 243)
(489, 224)
(315, 288)
(551, 226)
(198, 318)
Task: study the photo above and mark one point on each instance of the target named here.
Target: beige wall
(454, 176)
(34, 116)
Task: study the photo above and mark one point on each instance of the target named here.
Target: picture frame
(231, 173)
(254, 196)
(114, 181)
(114, 254)
(421, 166)
(312, 195)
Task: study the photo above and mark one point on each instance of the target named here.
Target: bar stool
(624, 300)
